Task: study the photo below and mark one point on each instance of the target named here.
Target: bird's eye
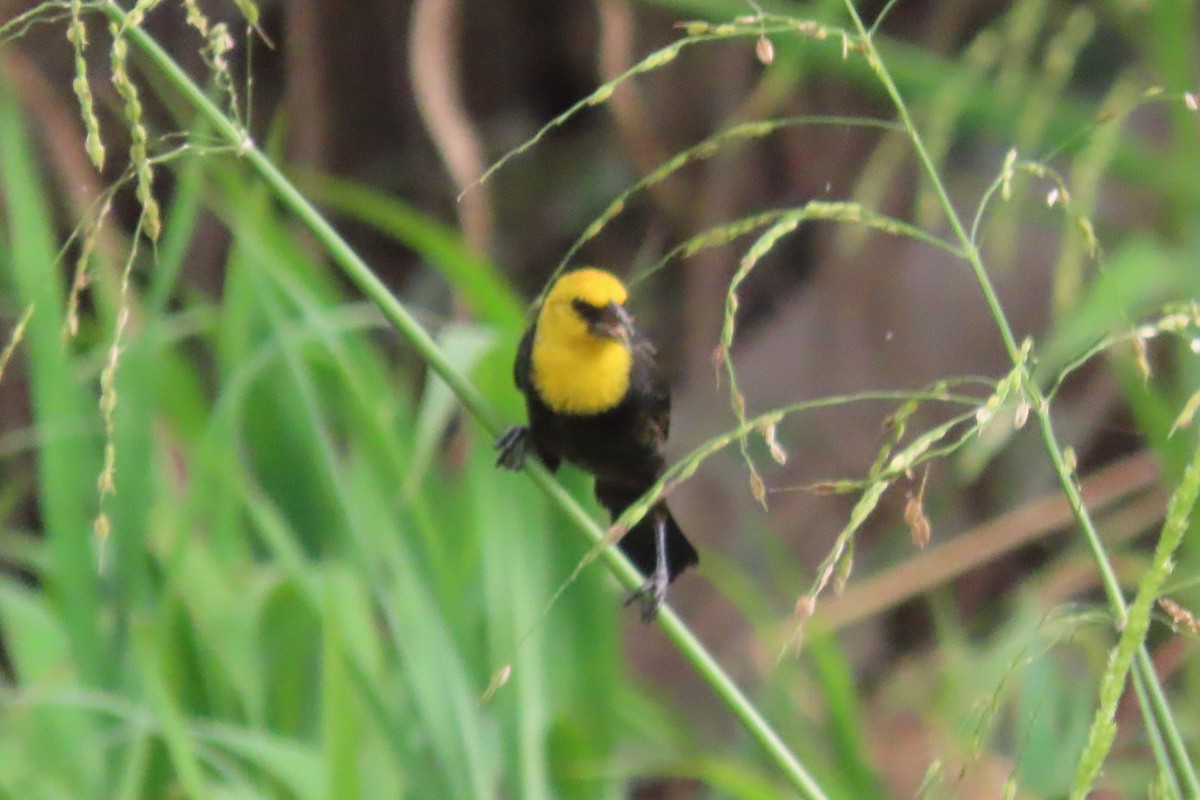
(583, 308)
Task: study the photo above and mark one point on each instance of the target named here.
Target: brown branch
(433, 68)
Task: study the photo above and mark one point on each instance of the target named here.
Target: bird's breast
(587, 378)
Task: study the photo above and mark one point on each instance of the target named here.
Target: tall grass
(291, 592)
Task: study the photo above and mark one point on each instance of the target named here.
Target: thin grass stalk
(14, 339)
(1133, 635)
(361, 275)
(1158, 715)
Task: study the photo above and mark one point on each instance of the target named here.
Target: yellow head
(581, 355)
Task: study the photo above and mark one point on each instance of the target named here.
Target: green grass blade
(67, 462)
(340, 722)
(473, 278)
(33, 736)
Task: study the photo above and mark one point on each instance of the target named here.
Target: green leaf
(473, 278)
(68, 462)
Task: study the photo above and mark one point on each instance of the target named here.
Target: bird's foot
(512, 445)
(650, 595)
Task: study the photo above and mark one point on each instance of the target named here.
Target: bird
(596, 399)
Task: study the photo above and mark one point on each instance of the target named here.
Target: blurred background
(250, 549)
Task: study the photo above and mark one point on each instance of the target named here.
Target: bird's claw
(512, 445)
(650, 595)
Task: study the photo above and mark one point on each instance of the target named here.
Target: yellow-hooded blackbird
(595, 399)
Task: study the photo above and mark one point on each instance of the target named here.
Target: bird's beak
(613, 322)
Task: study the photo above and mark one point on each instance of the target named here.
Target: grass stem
(1158, 717)
(361, 275)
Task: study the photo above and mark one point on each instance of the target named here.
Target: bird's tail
(638, 544)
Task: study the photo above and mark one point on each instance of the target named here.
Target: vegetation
(252, 537)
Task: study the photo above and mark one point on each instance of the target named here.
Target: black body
(622, 448)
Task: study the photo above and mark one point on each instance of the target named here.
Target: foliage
(269, 555)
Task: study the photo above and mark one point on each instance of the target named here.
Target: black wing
(523, 365)
(657, 395)
(514, 444)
